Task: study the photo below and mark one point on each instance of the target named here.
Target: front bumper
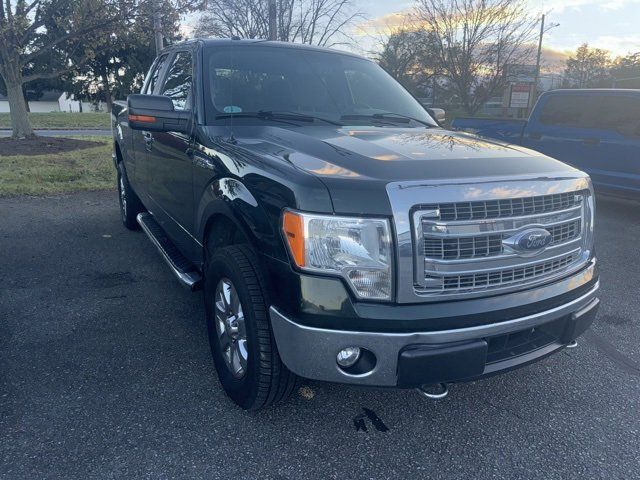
(426, 357)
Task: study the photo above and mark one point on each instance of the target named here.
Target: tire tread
(276, 382)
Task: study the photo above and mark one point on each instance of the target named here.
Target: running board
(181, 267)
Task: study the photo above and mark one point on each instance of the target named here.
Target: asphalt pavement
(105, 372)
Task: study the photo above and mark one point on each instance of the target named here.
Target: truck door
(171, 177)
(139, 175)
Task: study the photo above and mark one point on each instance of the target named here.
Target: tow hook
(572, 344)
(434, 391)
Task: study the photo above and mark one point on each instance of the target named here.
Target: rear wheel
(240, 336)
(130, 204)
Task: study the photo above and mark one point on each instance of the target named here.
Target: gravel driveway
(105, 372)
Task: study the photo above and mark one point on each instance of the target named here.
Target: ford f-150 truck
(338, 232)
(595, 130)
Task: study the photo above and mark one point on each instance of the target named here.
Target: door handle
(591, 141)
(148, 140)
(535, 136)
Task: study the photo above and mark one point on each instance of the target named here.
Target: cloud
(553, 56)
(391, 22)
(559, 6)
(618, 45)
(386, 24)
(553, 60)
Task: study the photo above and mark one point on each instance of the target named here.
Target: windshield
(240, 80)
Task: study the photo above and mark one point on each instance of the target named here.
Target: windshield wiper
(271, 115)
(388, 116)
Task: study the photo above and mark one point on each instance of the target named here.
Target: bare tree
(474, 40)
(317, 22)
(34, 29)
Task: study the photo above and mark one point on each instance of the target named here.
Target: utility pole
(533, 97)
(273, 27)
(537, 75)
(157, 26)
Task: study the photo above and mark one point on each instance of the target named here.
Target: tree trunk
(108, 100)
(26, 98)
(107, 90)
(17, 106)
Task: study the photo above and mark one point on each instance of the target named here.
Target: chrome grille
(489, 245)
(462, 247)
(473, 216)
(503, 277)
(511, 207)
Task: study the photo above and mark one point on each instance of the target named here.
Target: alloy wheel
(230, 327)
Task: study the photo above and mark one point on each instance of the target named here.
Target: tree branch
(69, 36)
(54, 73)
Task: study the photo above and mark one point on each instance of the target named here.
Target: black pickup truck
(339, 233)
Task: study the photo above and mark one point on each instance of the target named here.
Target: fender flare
(230, 198)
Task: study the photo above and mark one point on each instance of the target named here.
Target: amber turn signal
(293, 227)
(142, 118)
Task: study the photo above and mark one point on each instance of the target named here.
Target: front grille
(479, 246)
(501, 277)
(512, 207)
(462, 249)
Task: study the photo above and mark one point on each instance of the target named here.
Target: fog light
(348, 356)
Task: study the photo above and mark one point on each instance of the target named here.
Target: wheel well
(221, 231)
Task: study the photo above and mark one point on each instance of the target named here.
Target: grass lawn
(85, 169)
(61, 120)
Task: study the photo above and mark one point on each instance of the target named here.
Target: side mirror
(438, 114)
(155, 113)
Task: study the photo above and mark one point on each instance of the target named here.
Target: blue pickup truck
(595, 130)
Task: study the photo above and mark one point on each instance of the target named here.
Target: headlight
(358, 249)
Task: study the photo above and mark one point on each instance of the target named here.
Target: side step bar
(181, 267)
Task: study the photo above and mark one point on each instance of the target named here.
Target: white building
(55, 101)
(68, 104)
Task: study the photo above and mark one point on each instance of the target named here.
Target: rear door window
(620, 114)
(177, 84)
(152, 78)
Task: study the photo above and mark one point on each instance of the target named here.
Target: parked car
(596, 130)
(340, 234)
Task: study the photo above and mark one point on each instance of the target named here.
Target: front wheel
(240, 336)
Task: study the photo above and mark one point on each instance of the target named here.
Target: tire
(263, 380)
(130, 204)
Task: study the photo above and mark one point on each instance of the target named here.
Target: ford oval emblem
(529, 242)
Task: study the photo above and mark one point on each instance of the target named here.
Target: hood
(356, 163)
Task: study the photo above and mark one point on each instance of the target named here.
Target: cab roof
(218, 42)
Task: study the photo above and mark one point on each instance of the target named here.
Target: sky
(612, 25)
